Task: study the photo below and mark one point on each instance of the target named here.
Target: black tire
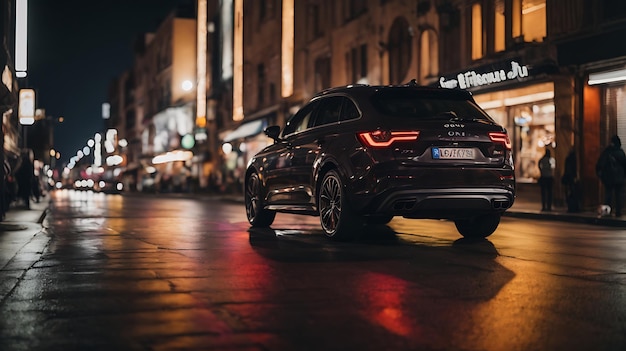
(336, 217)
(478, 227)
(257, 215)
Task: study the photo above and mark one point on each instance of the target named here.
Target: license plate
(452, 153)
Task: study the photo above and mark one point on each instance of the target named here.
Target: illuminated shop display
(524, 107)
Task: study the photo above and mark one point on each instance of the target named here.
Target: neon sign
(472, 79)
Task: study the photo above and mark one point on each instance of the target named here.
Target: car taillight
(499, 137)
(384, 138)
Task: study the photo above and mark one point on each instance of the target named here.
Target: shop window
(400, 48)
(535, 132)
(615, 111)
(477, 31)
(528, 114)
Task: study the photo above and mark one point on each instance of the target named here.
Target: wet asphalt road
(145, 273)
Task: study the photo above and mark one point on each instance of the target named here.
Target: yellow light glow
(287, 48)
(201, 64)
(200, 121)
(477, 31)
(238, 62)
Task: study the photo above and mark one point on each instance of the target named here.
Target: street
(147, 272)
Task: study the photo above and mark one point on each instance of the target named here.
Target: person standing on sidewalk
(570, 181)
(546, 180)
(24, 176)
(611, 169)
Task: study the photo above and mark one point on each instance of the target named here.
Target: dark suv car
(363, 154)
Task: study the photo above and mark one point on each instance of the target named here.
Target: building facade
(153, 106)
(524, 61)
(9, 88)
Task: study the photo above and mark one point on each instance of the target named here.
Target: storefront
(238, 146)
(169, 162)
(612, 85)
(522, 100)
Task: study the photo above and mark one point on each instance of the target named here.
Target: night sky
(75, 49)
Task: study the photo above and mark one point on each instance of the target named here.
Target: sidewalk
(523, 208)
(21, 239)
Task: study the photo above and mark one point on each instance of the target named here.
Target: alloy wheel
(257, 215)
(330, 204)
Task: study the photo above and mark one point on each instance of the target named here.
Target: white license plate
(452, 153)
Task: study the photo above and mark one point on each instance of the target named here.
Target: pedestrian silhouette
(546, 180)
(24, 177)
(611, 168)
(570, 181)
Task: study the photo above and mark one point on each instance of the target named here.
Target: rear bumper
(441, 203)
(433, 192)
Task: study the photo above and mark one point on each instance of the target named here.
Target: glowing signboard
(473, 79)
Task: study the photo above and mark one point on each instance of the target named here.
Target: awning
(246, 129)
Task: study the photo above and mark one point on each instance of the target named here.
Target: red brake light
(383, 138)
(499, 137)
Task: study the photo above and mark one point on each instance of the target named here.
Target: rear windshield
(430, 106)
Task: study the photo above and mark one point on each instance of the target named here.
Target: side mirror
(273, 132)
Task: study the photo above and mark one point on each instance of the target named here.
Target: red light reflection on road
(383, 299)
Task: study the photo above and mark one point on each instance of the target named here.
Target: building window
(322, 73)
(356, 61)
(315, 20)
(477, 31)
(267, 9)
(400, 48)
(130, 120)
(354, 8)
(429, 58)
(529, 19)
(499, 26)
(272, 93)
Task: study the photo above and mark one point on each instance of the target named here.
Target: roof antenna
(413, 82)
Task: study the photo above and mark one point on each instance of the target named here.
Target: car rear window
(427, 106)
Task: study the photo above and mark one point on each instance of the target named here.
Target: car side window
(349, 110)
(301, 120)
(328, 111)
